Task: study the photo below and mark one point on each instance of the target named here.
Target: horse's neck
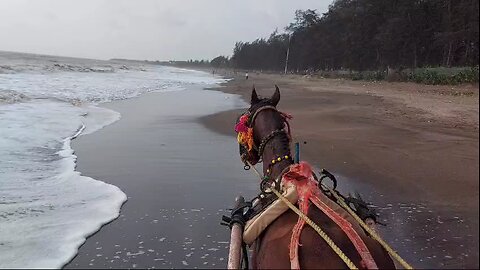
(274, 149)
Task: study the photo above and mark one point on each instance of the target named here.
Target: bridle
(249, 156)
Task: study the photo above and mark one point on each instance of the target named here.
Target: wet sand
(419, 169)
(410, 149)
(179, 178)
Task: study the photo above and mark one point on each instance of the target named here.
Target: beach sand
(412, 153)
(412, 150)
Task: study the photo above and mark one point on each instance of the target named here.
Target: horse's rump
(314, 252)
(344, 230)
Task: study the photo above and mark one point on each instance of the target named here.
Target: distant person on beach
(246, 76)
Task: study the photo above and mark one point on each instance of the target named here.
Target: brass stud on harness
(279, 159)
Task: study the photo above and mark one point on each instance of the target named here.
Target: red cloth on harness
(301, 176)
(242, 125)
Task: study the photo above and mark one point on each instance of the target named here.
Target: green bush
(441, 76)
(368, 76)
(356, 76)
(432, 75)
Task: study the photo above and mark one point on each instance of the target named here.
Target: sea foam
(47, 208)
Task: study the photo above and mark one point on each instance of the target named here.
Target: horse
(272, 247)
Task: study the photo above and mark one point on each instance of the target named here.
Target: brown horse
(271, 249)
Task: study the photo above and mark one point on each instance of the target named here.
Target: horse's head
(257, 102)
(258, 125)
(265, 116)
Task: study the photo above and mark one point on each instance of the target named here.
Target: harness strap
(295, 240)
(317, 228)
(272, 135)
(268, 107)
(347, 228)
(287, 117)
(302, 178)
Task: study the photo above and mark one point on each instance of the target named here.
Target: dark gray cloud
(141, 29)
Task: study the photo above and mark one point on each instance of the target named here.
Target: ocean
(47, 208)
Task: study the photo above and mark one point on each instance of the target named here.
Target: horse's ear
(276, 96)
(254, 99)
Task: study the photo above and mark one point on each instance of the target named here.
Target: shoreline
(178, 178)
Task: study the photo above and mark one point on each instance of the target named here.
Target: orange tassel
(246, 139)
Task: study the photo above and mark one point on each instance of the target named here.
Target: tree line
(364, 35)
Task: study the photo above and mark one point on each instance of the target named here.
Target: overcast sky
(142, 29)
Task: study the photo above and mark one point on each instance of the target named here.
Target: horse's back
(272, 248)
